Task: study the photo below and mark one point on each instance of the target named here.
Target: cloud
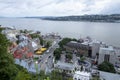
(57, 7)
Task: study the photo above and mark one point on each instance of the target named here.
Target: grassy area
(95, 78)
(36, 58)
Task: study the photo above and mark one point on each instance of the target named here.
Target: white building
(81, 75)
(117, 52)
(95, 48)
(107, 54)
(34, 45)
(11, 37)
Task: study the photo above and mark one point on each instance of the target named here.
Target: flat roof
(82, 73)
(110, 48)
(77, 45)
(109, 76)
(65, 66)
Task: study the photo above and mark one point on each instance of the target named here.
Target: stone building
(77, 48)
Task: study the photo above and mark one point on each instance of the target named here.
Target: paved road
(62, 58)
(45, 59)
(74, 58)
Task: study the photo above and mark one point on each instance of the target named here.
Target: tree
(55, 75)
(25, 31)
(82, 59)
(8, 70)
(69, 56)
(70, 78)
(23, 76)
(34, 35)
(57, 53)
(41, 40)
(106, 66)
(42, 75)
(48, 44)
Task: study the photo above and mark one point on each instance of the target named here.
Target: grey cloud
(57, 7)
(113, 8)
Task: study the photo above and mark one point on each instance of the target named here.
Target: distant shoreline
(113, 18)
(80, 21)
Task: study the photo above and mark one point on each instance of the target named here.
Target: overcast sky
(13, 8)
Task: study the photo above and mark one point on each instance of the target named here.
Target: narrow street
(48, 57)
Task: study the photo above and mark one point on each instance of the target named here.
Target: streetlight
(36, 66)
(36, 62)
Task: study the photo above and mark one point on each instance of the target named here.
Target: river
(106, 32)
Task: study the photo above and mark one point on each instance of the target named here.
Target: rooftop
(77, 45)
(107, 48)
(109, 76)
(82, 73)
(29, 66)
(65, 66)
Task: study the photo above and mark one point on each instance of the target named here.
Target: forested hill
(90, 18)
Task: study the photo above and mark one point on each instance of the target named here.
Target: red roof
(17, 54)
(24, 49)
(30, 54)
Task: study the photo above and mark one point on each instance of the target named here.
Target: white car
(47, 51)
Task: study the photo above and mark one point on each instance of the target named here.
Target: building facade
(95, 49)
(77, 48)
(107, 54)
(65, 67)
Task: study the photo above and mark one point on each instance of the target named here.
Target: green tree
(42, 75)
(25, 31)
(70, 78)
(23, 76)
(69, 56)
(41, 40)
(82, 58)
(106, 66)
(34, 35)
(8, 70)
(55, 75)
(48, 44)
(57, 53)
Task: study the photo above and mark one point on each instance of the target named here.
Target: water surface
(106, 32)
